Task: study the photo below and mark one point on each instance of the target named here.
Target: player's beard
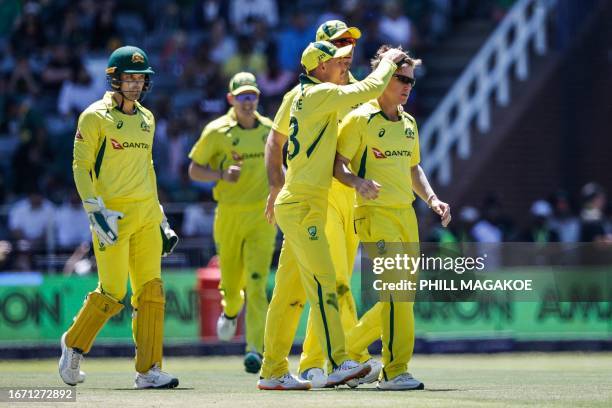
(345, 77)
(132, 95)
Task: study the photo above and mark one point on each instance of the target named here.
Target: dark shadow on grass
(150, 389)
(377, 390)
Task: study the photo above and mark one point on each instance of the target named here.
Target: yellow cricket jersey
(381, 150)
(223, 143)
(113, 153)
(313, 129)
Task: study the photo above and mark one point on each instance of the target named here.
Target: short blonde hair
(412, 62)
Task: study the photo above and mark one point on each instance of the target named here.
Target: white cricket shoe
(286, 382)
(376, 368)
(155, 378)
(70, 363)
(347, 371)
(316, 376)
(403, 381)
(226, 328)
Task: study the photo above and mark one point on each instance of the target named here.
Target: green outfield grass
(499, 380)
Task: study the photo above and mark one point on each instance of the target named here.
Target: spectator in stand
(72, 225)
(198, 219)
(539, 229)
(207, 12)
(292, 40)
(78, 91)
(246, 59)
(563, 221)
(468, 218)
(6, 250)
(59, 68)
(31, 219)
(592, 217)
(396, 28)
(29, 36)
(104, 29)
(274, 82)
(222, 46)
(23, 80)
(242, 13)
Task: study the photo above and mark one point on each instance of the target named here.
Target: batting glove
(169, 238)
(103, 221)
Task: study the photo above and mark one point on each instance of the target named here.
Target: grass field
(498, 380)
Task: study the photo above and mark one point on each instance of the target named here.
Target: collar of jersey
(233, 121)
(375, 109)
(307, 79)
(110, 102)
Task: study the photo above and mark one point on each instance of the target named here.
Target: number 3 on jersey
(293, 125)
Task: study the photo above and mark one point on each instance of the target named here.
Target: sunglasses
(405, 79)
(343, 42)
(246, 97)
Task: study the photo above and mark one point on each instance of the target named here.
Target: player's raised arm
(335, 97)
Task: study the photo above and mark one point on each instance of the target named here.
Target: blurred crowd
(557, 218)
(52, 59)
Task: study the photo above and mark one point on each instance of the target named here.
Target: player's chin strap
(123, 98)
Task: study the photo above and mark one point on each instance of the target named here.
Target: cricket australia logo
(332, 300)
(236, 141)
(119, 124)
(137, 58)
(409, 133)
(312, 231)
(145, 126)
(380, 245)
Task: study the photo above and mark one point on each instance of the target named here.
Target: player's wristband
(429, 199)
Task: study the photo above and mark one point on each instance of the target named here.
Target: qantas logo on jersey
(128, 145)
(79, 136)
(245, 156)
(390, 153)
(116, 145)
(378, 154)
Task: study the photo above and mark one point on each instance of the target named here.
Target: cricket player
(300, 210)
(115, 178)
(231, 152)
(339, 227)
(380, 142)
